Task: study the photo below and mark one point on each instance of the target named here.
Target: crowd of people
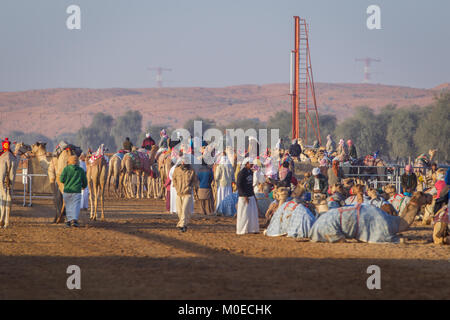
(231, 188)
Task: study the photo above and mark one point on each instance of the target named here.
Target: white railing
(27, 179)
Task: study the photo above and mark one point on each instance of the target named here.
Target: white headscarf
(245, 161)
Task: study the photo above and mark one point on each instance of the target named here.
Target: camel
(96, 174)
(129, 165)
(398, 201)
(441, 234)
(425, 160)
(54, 169)
(366, 223)
(8, 168)
(291, 218)
(114, 174)
(164, 165)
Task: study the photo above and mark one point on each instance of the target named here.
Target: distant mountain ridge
(55, 111)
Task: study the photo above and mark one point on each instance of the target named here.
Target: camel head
(337, 188)
(282, 193)
(432, 153)
(372, 193)
(299, 191)
(390, 189)
(422, 198)
(39, 148)
(21, 149)
(413, 207)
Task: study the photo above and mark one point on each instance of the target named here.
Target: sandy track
(137, 253)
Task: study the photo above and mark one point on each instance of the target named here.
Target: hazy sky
(213, 43)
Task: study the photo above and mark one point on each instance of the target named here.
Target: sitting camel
(441, 234)
(291, 218)
(366, 223)
(8, 167)
(397, 200)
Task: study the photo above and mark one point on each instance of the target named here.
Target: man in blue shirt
(205, 177)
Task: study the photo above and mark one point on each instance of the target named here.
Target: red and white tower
(367, 63)
(159, 72)
(302, 85)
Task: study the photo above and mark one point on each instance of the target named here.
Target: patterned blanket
(362, 222)
(141, 161)
(291, 219)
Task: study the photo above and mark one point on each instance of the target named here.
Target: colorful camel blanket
(141, 161)
(423, 159)
(399, 201)
(291, 219)
(362, 222)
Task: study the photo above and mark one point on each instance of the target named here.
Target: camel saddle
(423, 158)
(141, 161)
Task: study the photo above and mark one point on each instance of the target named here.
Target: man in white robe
(224, 177)
(85, 191)
(247, 209)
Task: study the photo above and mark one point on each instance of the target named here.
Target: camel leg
(2, 206)
(96, 198)
(91, 198)
(138, 185)
(142, 178)
(102, 195)
(7, 206)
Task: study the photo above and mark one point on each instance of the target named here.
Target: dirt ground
(137, 253)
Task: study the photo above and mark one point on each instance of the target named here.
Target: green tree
(327, 123)
(433, 130)
(98, 132)
(400, 133)
(127, 125)
(282, 120)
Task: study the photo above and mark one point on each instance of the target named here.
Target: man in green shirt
(74, 179)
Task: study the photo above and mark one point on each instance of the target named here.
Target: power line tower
(367, 62)
(302, 87)
(159, 72)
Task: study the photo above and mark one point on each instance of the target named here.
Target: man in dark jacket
(408, 181)
(295, 150)
(247, 210)
(74, 180)
(317, 183)
(148, 142)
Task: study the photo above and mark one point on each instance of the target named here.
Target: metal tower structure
(159, 72)
(367, 62)
(302, 87)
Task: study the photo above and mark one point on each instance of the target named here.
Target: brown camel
(8, 167)
(413, 207)
(164, 165)
(96, 173)
(441, 234)
(424, 161)
(114, 175)
(54, 169)
(128, 167)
